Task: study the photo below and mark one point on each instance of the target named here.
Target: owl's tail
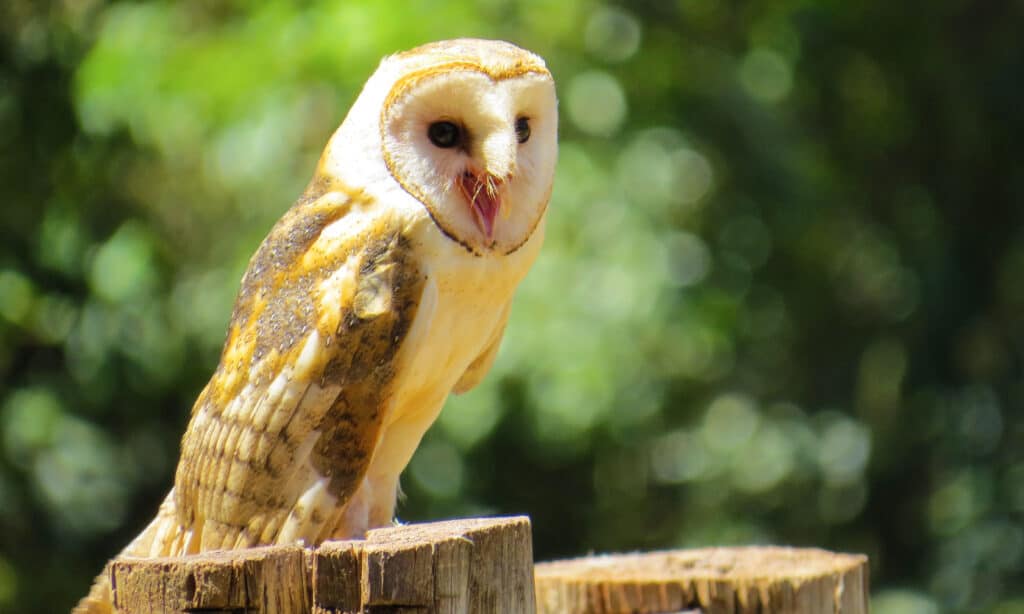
(99, 600)
(163, 537)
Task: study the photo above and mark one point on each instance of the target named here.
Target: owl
(382, 290)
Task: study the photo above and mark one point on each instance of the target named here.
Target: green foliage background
(782, 298)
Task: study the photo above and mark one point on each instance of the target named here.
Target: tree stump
(477, 565)
(269, 580)
(454, 567)
(484, 565)
(755, 580)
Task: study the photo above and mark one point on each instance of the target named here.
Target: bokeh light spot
(61, 240)
(81, 479)
(123, 266)
(696, 351)
(578, 398)
(687, 259)
(765, 461)
(438, 469)
(958, 500)
(596, 103)
(469, 418)
(693, 175)
(981, 421)
(612, 34)
(730, 422)
(765, 75)
(678, 457)
(54, 318)
(646, 170)
(903, 601)
(16, 296)
(845, 450)
(660, 168)
(30, 417)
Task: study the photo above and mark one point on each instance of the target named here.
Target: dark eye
(444, 134)
(523, 129)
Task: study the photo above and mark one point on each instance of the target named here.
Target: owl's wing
(478, 369)
(282, 435)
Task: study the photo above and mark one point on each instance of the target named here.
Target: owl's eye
(523, 129)
(444, 134)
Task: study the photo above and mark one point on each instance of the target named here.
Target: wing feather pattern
(282, 435)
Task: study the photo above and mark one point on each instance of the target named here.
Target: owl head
(467, 128)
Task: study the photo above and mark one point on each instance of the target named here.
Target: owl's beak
(482, 191)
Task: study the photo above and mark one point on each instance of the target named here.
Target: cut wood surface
(454, 567)
(478, 565)
(713, 580)
(266, 580)
(485, 566)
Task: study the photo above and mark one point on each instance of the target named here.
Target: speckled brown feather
(236, 483)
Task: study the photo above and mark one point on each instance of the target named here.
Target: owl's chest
(461, 311)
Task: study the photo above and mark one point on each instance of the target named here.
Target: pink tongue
(486, 210)
(485, 206)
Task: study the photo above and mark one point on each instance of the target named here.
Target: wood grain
(484, 566)
(454, 567)
(477, 565)
(713, 580)
(270, 580)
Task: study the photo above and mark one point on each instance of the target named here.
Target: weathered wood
(337, 578)
(455, 567)
(485, 566)
(477, 565)
(759, 580)
(265, 580)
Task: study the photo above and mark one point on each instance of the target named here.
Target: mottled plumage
(383, 289)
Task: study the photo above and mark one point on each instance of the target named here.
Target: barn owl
(383, 289)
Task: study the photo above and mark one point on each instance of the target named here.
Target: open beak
(483, 194)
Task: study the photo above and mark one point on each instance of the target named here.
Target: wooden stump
(454, 567)
(712, 580)
(485, 566)
(265, 580)
(478, 565)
